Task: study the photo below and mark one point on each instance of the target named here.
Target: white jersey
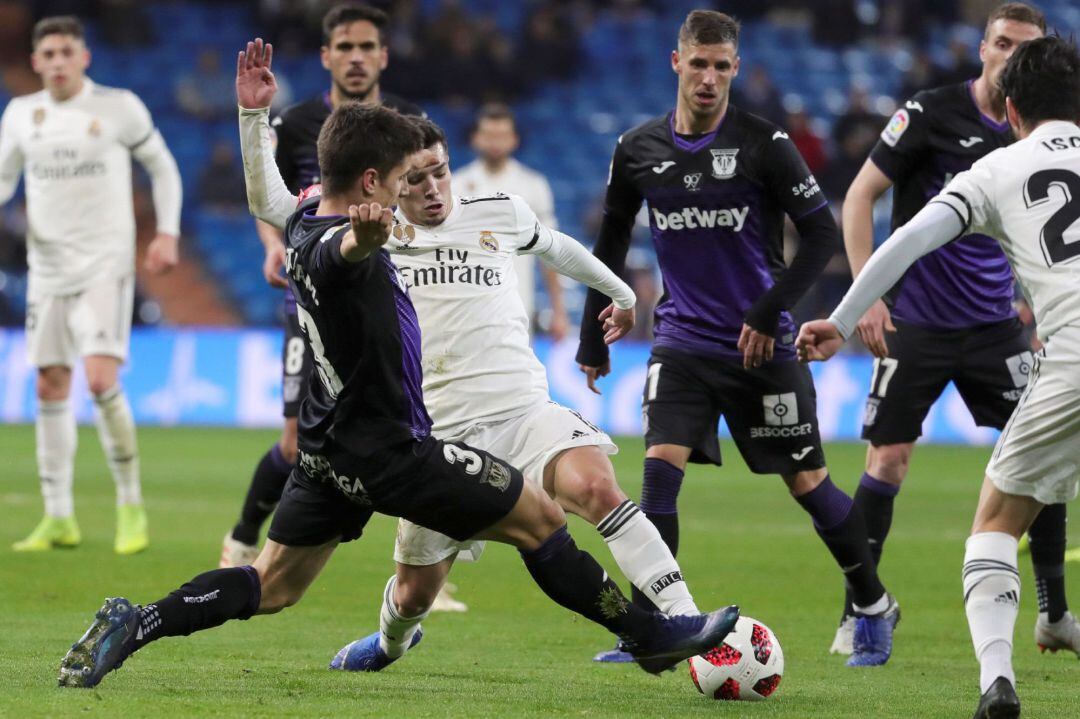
(76, 156)
(1027, 196)
(477, 361)
(515, 178)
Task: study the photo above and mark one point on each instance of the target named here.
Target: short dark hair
(57, 25)
(1042, 78)
(493, 111)
(1018, 11)
(348, 13)
(431, 134)
(708, 27)
(357, 137)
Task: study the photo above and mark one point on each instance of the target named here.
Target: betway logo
(692, 218)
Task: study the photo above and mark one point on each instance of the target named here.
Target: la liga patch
(897, 126)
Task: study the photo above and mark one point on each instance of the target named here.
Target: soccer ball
(748, 665)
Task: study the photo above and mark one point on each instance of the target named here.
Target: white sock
(395, 631)
(641, 554)
(116, 428)
(876, 608)
(991, 599)
(57, 440)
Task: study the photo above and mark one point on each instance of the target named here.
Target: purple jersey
(936, 135)
(716, 205)
(363, 333)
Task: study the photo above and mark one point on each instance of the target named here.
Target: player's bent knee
(889, 462)
(595, 494)
(53, 383)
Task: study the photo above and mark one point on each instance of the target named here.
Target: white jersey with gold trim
(76, 158)
(477, 361)
(1027, 196)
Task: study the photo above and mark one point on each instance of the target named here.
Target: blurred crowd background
(576, 74)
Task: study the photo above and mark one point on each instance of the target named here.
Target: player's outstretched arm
(934, 226)
(268, 198)
(858, 225)
(370, 227)
(570, 258)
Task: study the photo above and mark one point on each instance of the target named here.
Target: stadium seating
(625, 80)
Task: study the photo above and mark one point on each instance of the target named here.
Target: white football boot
(1062, 634)
(444, 602)
(844, 641)
(236, 554)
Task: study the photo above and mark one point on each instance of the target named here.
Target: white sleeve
(969, 195)
(935, 225)
(268, 197)
(570, 258)
(11, 157)
(165, 184)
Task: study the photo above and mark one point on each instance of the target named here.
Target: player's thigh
(49, 342)
(994, 370)
(772, 414)
(680, 405)
(100, 318)
(296, 364)
(313, 511)
(904, 385)
(1038, 452)
(53, 383)
(533, 518)
(418, 546)
(450, 487)
(285, 572)
(1001, 512)
(535, 440)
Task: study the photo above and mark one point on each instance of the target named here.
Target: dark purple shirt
(934, 136)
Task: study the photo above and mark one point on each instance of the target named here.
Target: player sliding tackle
(483, 385)
(365, 442)
(1028, 197)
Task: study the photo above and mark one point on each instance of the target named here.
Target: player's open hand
(163, 254)
(818, 341)
(255, 84)
(371, 226)
(756, 347)
(617, 323)
(272, 265)
(594, 373)
(872, 328)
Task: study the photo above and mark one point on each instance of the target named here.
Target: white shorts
(1038, 452)
(529, 442)
(97, 321)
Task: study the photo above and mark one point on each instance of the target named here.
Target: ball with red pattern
(748, 665)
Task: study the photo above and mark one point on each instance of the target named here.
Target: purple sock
(660, 487)
(876, 486)
(827, 504)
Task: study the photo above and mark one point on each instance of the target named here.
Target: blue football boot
(674, 639)
(365, 655)
(104, 646)
(872, 644)
(619, 655)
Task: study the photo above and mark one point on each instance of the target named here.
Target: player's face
(1002, 39)
(705, 74)
(495, 140)
(61, 60)
(428, 201)
(355, 58)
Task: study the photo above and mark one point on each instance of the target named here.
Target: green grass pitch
(514, 653)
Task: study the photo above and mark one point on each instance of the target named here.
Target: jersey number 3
(1036, 192)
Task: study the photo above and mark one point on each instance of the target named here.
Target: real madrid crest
(488, 241)
(404, 234)
(39, 115)
(723, 163)
(95, 128)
